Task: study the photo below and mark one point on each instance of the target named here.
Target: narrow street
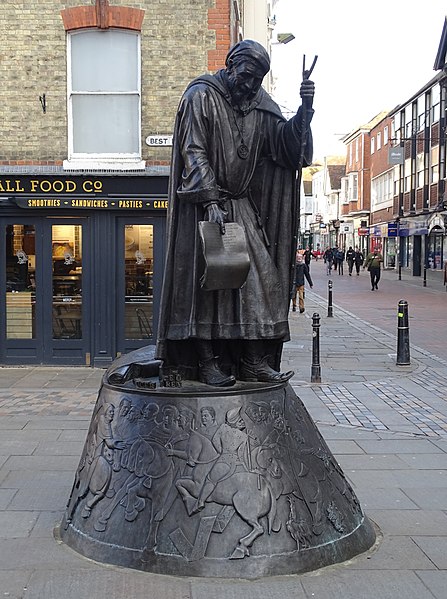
(426, 305)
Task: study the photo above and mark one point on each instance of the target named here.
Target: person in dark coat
(307, 256)
(328, 258)
(350, 257)
(372, 263)
(340, 260)
(358, 260)
(301, 273)
(235, 159)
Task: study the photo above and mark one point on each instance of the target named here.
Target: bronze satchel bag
(224, 261)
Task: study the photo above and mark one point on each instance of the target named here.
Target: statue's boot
(211, 374)
(257, 369)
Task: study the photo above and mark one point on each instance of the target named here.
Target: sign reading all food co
(112, 193)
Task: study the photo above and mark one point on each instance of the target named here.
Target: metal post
(330, 311)
(316, 368)
(400, 271)
(425, 276)
(403, 334)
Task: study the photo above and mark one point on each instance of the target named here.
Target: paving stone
(70, 436)
(278, 588)
(47, 424)
(43, 554)
(34, 479)
(60, 448)
(371, 462)
(425, 461)
(345, 432)
(14, 525)
(12, 422)
(47, 522)
(30, 436)
(344, 447)
(435, 548)
(398, 446)
(428, 499)
(395, 553)
(14, 583)
(351, 584)
(410, 522)
(386, 499)
(6, 496)
(41, 498)
(16, 447)
(441, 443)
(35, 462)
(428, 479)
(113, 583)
(436, 582)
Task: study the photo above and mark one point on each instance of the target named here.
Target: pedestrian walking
(307, 256)
(358, 259)
(372, 263)
(340, 260)
(328, 258)
(301, 273)
(350, 257)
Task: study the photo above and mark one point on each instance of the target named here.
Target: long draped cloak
(259, 193)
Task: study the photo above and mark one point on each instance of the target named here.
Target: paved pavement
(386, 425)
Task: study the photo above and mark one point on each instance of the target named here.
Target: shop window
(405, 251)
(390, 252)
(435, 248)
(104, 97)
(138, 272)
(20, 282)
(67, 281)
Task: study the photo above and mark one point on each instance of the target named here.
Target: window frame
(92, 160)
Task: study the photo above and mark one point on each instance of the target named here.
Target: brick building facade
(83, 218)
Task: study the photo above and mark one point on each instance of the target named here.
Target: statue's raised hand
(307, 92)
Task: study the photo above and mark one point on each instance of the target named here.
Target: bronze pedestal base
(194, 481)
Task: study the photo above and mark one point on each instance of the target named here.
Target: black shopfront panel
(80, 277)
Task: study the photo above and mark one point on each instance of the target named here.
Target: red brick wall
(123, 17)
(219, 20)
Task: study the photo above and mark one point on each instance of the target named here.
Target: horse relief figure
(228, 478)
(94, 473)
(149, 474)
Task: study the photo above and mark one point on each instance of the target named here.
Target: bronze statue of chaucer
(235, 159)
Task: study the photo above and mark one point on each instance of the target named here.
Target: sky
(372, 56)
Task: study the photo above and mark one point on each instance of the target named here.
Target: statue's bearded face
(245, 78)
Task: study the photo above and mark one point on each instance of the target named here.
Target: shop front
(436, 246)
(80, 267)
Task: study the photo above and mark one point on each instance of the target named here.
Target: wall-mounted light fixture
(285, 38)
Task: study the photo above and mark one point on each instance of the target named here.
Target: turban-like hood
(250, 50)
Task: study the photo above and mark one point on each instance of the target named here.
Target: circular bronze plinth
(194, 481)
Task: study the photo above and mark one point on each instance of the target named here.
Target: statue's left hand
(215, 214)
(307, 92)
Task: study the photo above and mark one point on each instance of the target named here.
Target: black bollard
(403, 334)
(400, 271)
(330, 310)
(316, 368)
(425, 276)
